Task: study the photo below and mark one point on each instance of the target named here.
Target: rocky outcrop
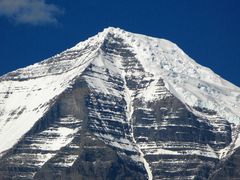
(228, 168)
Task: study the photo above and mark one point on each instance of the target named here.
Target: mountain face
(119, 106)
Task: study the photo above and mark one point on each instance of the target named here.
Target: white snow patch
(23, 103)
(128, 96)
(58, 138)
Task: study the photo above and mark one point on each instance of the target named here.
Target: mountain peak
(112, 29)
(189, 81)
(139, 100)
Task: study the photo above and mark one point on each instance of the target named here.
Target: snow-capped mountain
(118, 105)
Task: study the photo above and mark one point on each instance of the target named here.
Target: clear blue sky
(207, 30)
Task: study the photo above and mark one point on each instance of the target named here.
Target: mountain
(119, 106)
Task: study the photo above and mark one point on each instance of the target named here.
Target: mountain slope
(118, 105)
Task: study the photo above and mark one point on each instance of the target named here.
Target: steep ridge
(118, 105)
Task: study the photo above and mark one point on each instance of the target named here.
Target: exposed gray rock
(103, 126)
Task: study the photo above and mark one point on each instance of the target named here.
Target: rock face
(118, 106)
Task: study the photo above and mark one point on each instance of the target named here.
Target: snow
(120, 143)
(62, 136)
(150, 91)
(128, 98)
(182, 76)
(160, 148)
(68, 162)
(193, 84)
(23, 103)
(27, 96)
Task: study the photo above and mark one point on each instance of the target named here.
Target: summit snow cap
(193, 84)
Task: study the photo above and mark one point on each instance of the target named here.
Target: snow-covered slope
(194, 84)
(26, 94)
(138, 85)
